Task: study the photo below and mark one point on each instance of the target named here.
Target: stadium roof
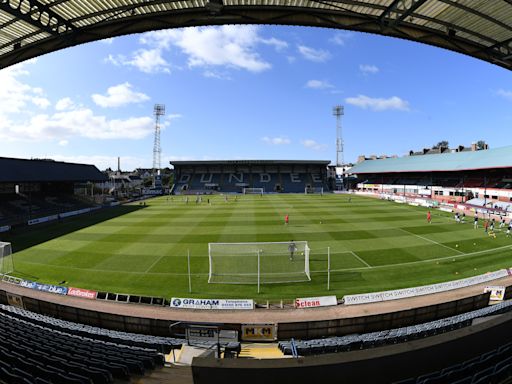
(23, 171)
(251, 162)
(446, 162)
(479, 28)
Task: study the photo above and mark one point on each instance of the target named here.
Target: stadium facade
(232, 176)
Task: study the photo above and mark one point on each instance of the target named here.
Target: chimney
(361, 158)
(473, 147)
(373, 157)
(118, 164)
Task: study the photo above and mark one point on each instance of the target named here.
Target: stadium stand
(391, 336)
(32, 189)
(34, 352)
(163, 345)
(233, 176)
(447, 177)
(492, 367)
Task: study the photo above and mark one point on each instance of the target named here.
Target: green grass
(375, 245)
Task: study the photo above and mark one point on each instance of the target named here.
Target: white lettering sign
(264, 178)
(238, 177)
(190, 303)
(206, 180)
(423, 290)
(312, 302)
(295, 178)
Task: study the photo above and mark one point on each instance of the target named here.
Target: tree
(443, 144)
(480, 144)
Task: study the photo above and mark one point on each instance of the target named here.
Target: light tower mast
(158, 110)
(338, 112)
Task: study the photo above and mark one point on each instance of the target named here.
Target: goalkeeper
(292, 248)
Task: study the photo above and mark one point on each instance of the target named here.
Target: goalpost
(314, 190)
(6, 262)
(259, 263)
(254, 191)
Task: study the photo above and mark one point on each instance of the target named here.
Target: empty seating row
(391, 336)
(492, 367)
(39, 354)
(162, 344)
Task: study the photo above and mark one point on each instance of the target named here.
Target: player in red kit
(429, 217)
(286, 219)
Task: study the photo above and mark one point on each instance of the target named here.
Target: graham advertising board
(190, 303)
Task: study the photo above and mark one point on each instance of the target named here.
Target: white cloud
(312, 144)
(229, 45)
(368, 69)
(20, 121)
(173, 116)
(279, 45)
(379, 104)
(280, 140)
(41, 102)
(505, 94)
(145, 60)
(317, 55)
(81, 122)
(16, 96)
(232, 46)
(63, 104)
(340, 38)
(318, 84)
(216, 75)
(107, 41)
(119, 95)
(149, 61)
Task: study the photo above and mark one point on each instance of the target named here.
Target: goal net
(6, 263)
(311, 190)
(253, 191)
(259, 263)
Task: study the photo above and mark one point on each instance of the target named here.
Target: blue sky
(249, 92)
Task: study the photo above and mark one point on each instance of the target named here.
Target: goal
(259, 263)
(254, 191)
(314, 190)
(6, 263)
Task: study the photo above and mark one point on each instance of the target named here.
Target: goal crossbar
(253, 191)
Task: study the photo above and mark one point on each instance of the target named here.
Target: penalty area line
(431, 241)
(417, 262)
(360, 259)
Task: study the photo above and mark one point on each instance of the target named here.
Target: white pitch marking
(432, 241)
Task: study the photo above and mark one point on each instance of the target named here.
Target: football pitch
(374, 245)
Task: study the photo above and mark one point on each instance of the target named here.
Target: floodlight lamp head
(337, 110)
(159, 110)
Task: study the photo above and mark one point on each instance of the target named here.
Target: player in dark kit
(292, 248)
